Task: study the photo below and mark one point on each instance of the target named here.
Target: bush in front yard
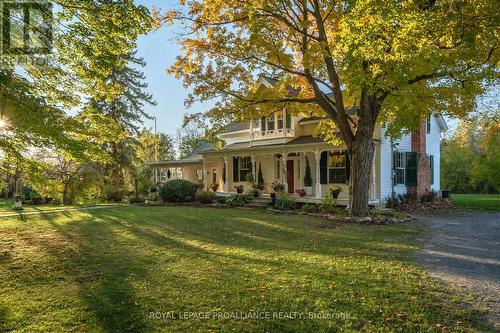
(177, 190)
(285, 201)
(205, 197)
(237, 200)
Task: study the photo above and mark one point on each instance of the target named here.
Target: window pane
(270, 123)
(337, 176)
(280, 120)
(288, 121)
(400, 176)
(337, 160)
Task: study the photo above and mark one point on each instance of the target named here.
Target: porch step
(258, 202)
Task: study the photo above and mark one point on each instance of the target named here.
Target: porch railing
(277, 133)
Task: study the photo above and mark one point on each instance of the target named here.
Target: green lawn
(108, 270)
(477, 201)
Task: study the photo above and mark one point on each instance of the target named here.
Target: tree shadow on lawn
(102, 271)
(130, 262)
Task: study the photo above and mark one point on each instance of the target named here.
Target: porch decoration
(277, 187)
(214, 187)
(308, 178)
(301, 192)
(335, 191)
(260, 178)
(273, 198)
(259, 186)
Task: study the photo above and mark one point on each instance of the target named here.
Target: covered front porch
(305, 172)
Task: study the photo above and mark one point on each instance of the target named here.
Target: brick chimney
(418, 145)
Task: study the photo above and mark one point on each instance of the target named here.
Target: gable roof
(443, 127)
(236, 127)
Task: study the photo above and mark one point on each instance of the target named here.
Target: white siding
(403, 144)
(433, 146)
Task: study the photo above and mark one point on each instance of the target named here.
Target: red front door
(290, 176)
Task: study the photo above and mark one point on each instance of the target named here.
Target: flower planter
(309, 190)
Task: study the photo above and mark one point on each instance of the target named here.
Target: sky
(159, 50)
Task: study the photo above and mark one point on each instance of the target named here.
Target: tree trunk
(66, 198)
(361, 155)
(361, 151)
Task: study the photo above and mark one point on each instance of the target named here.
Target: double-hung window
(270, 122)
(242, 167)
(337, 171)
(163, 176)
(399, 167)
(280, 120)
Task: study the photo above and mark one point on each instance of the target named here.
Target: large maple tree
(396, 61)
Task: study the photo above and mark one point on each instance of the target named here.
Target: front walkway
(463, 250)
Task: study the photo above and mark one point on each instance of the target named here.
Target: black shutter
(411, 169)
(224, 171)
(235, 169)
(347, 167)
(288, 120)
(431, 161)
(263, 124)
(323, 168)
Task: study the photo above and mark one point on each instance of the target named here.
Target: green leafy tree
(126, 110)
(395, 61)
(151, 147)
(189, 137)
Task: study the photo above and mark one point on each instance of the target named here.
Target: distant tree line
(470, 156)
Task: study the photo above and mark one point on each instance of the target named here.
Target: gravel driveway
(463, 249)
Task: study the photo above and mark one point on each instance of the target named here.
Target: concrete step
(258, 202)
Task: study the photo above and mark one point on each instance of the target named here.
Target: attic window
(429, 125)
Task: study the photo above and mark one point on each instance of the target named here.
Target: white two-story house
(281, 146)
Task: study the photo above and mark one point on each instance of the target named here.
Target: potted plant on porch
(259, 187)
(239, 189)
(277, 187)
(308, 179)
(335, 191)
(301, 192)
(214, 187)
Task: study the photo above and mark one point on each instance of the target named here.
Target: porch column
(317, 159)
(302, 169)
(226, 168)
(254, 173)
(284, 159)
(205, 182)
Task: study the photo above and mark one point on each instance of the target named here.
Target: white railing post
(317, 159)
